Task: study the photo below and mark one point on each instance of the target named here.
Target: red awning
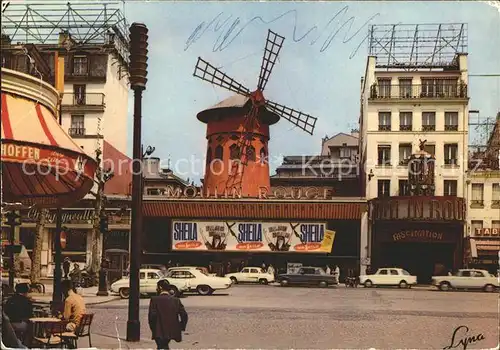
(41, 164)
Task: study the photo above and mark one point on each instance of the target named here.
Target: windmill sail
(273, 46)
(205, 71)
(302, 120)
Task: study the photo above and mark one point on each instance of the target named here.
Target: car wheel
(204, 290)
(323, 284)
(489, 288)
(284, 283)
(174, 291)
(263, 281)
(37, 288)
(234, 280)
(444, 286)
(403, 284)
(368, 284)
(124, 293)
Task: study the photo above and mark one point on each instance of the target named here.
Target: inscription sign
(419, 208)
(487, 232)
(418, 235)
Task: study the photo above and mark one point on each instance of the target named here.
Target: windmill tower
(238, 128)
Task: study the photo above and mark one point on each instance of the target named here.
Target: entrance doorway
(419, 259)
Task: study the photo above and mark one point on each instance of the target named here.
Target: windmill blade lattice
(302, 120)
(274, 43)
(207, 72)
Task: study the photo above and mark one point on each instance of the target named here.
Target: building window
(209, 155)
(80, 65)
(384, 87)
(405, 88)
(475, 226)
(477, 195)
(450, 154)
(451, 121)
(495, 195)
(428, 121)
(432, 87)
(384, 188)
(384, 121)
(153, 191)
(450, 188)
(405, 121)
(263, 155)
(384, 155)
(251, 153)
(431, 149)
(404, 188)
(345, 152)
(79, 94)
(219, 152)
(77, 125)
(495, 224)
(404, 153)
(234, 151)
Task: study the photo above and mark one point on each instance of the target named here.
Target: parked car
(308, 276)
(199, 281)
(251, 275)
(200, 268)
(467, 279)
(389, 276)
(148, 279)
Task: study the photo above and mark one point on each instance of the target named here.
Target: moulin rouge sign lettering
(193, 192)
(419, 208)
(251, 236)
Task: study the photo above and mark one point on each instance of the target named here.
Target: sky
(318, 71)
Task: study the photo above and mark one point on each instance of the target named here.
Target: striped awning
(253, 209)
(41, 164)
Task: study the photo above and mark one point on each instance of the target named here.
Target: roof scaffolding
(412, 46)
(88, 23)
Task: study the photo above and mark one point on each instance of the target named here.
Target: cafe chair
(82, 330)
(49, 334)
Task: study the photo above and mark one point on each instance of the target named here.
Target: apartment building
(410, 102)
(483, 205)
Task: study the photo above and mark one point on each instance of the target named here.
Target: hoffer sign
(418, 208)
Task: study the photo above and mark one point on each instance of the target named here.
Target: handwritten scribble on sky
(229, 28)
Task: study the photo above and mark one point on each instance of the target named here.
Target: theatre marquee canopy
(341, 209)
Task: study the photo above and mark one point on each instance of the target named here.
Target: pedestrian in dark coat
(167, 317)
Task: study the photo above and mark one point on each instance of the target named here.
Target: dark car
(312, 276)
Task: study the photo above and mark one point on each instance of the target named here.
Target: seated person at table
(19, 308)
(74, 306)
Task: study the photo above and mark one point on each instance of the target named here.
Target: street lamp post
(138, 73)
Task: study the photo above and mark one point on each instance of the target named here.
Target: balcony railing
(477, 203)
(86, 99)
(436, 91)
(76, 132)
(405, 127)
(384, 128)
(451, 127)
(428, 127)
(449, 161)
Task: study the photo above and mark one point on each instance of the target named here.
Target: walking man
(167, 317)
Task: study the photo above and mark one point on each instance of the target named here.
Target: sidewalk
(100, 341)
(89, 294)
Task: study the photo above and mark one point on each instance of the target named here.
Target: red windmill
(238, 128)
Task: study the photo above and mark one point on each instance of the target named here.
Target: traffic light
(13, 219)
(103, 224)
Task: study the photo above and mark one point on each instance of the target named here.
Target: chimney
(355, 133)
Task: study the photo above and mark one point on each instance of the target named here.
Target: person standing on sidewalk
(66, 267)
(167, 317)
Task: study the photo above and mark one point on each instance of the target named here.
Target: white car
(251, 275)
(202, 269)
(148, 279)
(199, 281)
(389, 276)
(467, 279)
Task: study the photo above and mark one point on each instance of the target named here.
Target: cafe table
(48, 328)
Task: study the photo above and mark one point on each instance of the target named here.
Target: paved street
(273, 317)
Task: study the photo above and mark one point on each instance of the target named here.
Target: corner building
(409, 101)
